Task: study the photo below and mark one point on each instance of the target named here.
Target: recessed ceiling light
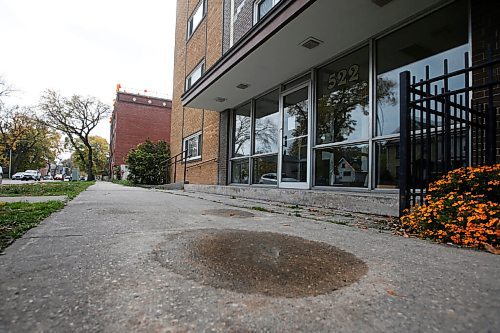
(311, 43)
(220, 99)
(242, 86)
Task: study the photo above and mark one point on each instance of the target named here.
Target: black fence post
(404, 143)
(185, 165)
(490, 153)
(175, 169)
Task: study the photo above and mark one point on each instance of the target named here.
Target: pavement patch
(236, 213)
(259, 262)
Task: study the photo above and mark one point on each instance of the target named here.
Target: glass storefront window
(342, 102)
(267, 120)
(241, 131)
(342, 141)
(239, 171)
(265, 170)
(387, 164)
(342, 166)
(433, 39)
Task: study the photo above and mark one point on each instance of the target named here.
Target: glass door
(294, 166)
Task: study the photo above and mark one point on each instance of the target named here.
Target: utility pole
(10, 156)
(10, 163)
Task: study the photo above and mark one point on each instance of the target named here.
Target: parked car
(48, 177)
(31, 175)
(1, 175)
(271, 178)
(83, 178)
(268, 178)
(67, 178)
(17, 176)
(58, 177)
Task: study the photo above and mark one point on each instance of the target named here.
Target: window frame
(188, 82)
(198, 136)
(191, 28)
(256, 4)
(252, 155)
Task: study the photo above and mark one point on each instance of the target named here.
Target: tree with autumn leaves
(100, 153)
(30, 144)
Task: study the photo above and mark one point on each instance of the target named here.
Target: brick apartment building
(307, 94)
(135, 119)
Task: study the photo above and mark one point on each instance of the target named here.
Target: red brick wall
(136, 118)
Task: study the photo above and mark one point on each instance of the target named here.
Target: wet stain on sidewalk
(228, 213)
(260, 262)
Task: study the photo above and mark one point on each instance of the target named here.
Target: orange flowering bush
(462, 208)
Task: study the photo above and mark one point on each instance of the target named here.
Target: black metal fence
(446, 122)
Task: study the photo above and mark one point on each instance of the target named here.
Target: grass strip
(18, 217)
(70, 189)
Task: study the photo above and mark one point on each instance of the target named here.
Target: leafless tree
(5, 89)
(266, 133)
(76, 117)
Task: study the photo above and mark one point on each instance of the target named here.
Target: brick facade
(136, 118)
(204, 44)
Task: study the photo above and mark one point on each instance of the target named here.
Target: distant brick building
(135, 119)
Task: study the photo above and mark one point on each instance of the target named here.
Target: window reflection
(264, 170)
(294, 167)
(345, 166)
(387, 164)
(241, 131)
(295, 129)
(267, 123)
(295, 113)
(342, 105)
(239, 171)
(433, 40)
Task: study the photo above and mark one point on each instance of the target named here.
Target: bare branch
(76, 116)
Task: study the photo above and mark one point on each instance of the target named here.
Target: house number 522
(343, 76)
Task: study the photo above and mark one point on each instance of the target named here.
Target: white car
(1, 175)
(268, 178)
(271, 178)
(18, 176)
(31, 175)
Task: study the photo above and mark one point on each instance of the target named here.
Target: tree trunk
(78, 150)
(17, 161)
(90, 164)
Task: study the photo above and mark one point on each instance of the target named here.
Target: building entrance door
(294, 156)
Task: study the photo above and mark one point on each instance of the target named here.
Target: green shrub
(147, 164)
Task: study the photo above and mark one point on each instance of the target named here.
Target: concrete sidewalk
(92, 267)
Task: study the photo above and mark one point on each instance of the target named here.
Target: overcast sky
(86, 47)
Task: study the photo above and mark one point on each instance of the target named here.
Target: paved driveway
(94, 267)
